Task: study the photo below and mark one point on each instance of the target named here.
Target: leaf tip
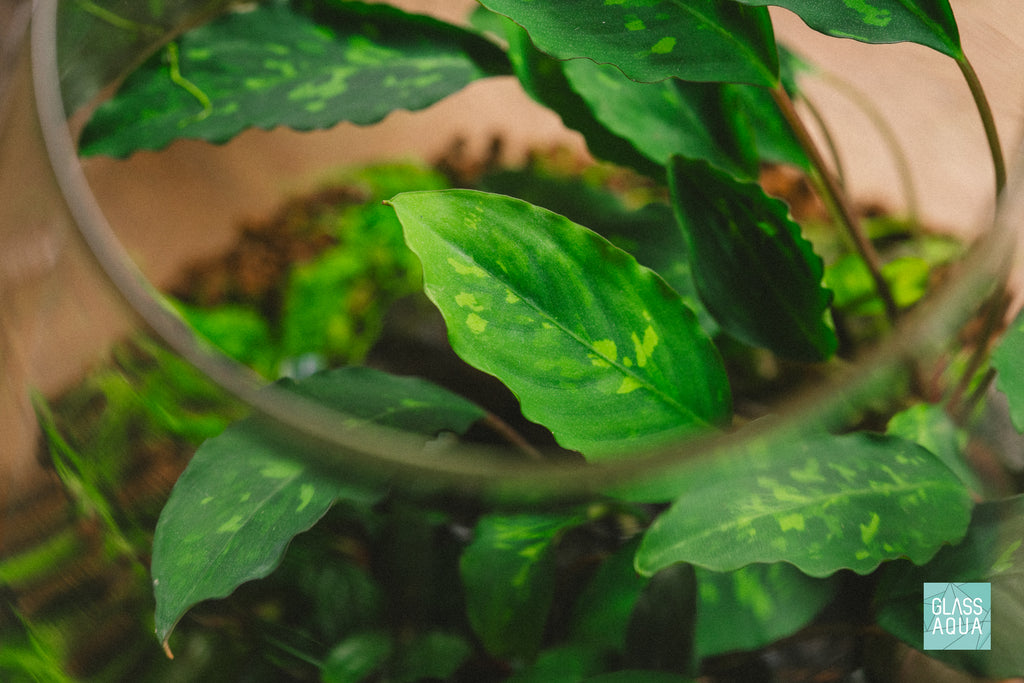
(167, 649)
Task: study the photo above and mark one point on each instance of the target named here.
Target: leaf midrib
(677, 406)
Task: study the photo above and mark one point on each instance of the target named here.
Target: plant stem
(835, 198)
(887, 134)
(506, 431)
(987, 120)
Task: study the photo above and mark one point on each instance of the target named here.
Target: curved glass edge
(384, 454)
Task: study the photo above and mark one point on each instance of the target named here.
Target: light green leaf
(931, 427)
(508, 572)
(928, 22)
(1006, 359)
(694, 40)
(304, 65)
(771, 601)
(757, 275)
(817, 501)
(245, 495)
(992, 552)
(355, 658)
(597, 348)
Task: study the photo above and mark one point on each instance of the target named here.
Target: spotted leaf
(927, 22)
(598, 348)
(650, 40)
(757, 275)
(509, 576)
(245, 494)
(289, 65)
(820, 502)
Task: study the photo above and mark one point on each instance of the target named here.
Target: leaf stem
(987, 120)
(835, 198)
(888, 135)
(506, 431)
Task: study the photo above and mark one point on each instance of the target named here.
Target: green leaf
(931, 427)
(637, 676)
(817, 501)
(771, 601)
(543, 78)
(280, 65)
(597, 348)
(239, 332)
(1006, 360)
(431, 655)
(928, 22)
(757, 275)
(648, 233)
(991, 552)
(603, 609)
(355, 658)
(694, 40)
(564, 664)
(245, 495)
(668, 117)
(661, 627)
(508, 572)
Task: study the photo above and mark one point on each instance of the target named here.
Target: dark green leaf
(661, 627)
(564, 664)
(597, 348)
(604, 607)
(928, 22)
(1006, 359)
(757, 275)
(771, 601)
(244, 495)
(990, 553)
(509, 576)
(275, 65)
(637, 676)
(543, 78)
(355, 658)
(694, 40)
(817, 501)
(431, 655)
(931, 427)
(695, 120)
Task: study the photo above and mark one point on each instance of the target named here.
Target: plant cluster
(620, 329)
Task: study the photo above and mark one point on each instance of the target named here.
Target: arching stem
(987, 120)
(835, 199)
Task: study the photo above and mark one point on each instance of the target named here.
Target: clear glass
(67, 76)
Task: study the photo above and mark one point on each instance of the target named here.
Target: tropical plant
(622, 330)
